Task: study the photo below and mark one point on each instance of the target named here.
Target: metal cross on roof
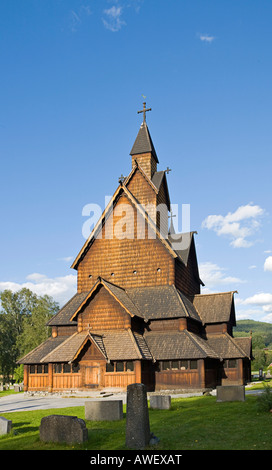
(168, 170)
(144, 110)
(121, 179)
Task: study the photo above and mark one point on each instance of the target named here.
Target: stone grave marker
(59, 428)
(160, 402)
(5, 426)
(138, 433)
(108, 410)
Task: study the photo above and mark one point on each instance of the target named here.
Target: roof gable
(122, 190)
(215, 308)
(118, 293)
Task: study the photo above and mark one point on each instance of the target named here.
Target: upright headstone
(59, 428)
(230, 393)
(137, 418)
(108, 410)
(160, 402)
(5, 426)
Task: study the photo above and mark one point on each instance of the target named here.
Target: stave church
(138, 314)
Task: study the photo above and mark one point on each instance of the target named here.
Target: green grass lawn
(197, 423)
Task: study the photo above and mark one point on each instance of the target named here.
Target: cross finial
(144, 110)
(167, 170)
(121, 179)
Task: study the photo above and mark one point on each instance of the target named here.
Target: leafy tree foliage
(23, 319)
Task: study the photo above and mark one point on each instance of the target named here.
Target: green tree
(35, 330)
(23, 320)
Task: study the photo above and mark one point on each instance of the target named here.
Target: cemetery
(154, 421)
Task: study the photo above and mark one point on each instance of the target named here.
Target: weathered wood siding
(129, 262)
(103, 312)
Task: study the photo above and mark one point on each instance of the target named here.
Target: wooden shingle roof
(169, 345)
(228, 347)
(63, 316)
(215, 308)
(162, 302)
(143, 143)
(36, 355)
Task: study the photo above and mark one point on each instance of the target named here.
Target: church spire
(143, 149)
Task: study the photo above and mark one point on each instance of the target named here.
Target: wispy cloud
(206, 38)
(76, 17)
(214, 276)
(238, 225)
(112, 18)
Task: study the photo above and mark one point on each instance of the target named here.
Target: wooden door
(92, 375)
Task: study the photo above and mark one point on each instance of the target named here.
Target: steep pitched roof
(215, 308)
(117, 292)
(143, 143)
(122, 190)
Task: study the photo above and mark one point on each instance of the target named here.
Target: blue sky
(72, 77)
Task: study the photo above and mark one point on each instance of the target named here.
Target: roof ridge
(181, 301)
(216, 293)
(135, 343)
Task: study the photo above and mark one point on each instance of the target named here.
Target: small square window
(110, 367)
(67, 368)
(184, 365)
(39, 369)
(193, 364)
(32, 370)
(165, 365)
(119, 366)
(75, 368)
(130, 366)
(175, 364)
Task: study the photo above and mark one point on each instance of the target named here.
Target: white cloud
(60, 288)
(212, 276)
(112, 18)
(268, 264)
(258, 306)
(206, 38)
(238, 225)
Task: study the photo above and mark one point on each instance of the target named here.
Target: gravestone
(137, 424)
(5, 426)
(160, 402)
(108, 410)
(230, 393)
(59, 428)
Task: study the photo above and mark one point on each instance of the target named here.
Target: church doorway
(92, 376)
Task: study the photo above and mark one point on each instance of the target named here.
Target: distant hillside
(243, 328)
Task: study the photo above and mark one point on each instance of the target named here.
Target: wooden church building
(138, 314)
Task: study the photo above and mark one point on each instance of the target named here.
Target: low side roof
(36, 355)
(162, 302)
(62, 317)
(215, 308)
(169, 345)
(227, 347)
